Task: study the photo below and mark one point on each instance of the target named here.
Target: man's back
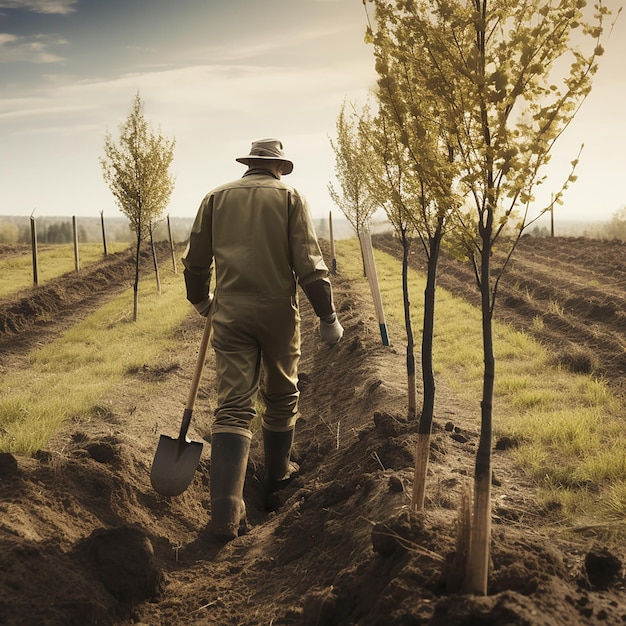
(259, 232)
(250, 219)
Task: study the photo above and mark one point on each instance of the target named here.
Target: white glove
(331, 331)
(204, 306)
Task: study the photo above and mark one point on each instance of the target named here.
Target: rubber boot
(279, 468)
(229, 459)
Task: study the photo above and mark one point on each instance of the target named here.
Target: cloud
(6, 38)
(31, 49)
(58, 7)
(289, 47)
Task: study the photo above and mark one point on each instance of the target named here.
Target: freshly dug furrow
(30, 315)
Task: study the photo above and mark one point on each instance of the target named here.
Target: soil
(85, 539)
(569, 293)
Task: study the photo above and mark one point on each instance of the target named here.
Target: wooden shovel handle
(197, 374)
(204, 344)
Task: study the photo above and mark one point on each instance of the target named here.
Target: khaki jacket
(258, 234)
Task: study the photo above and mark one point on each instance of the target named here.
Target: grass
(569, 425)
(82, 366)
(16, 272)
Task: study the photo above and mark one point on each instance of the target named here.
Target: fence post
(33, 245)
(76, 259)
(169, 233)
(333, 258)
(372, 277)
(104, 237)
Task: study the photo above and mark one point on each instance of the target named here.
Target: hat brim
(287, 164)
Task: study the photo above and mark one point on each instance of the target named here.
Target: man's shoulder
(229, 185)
(256, 181)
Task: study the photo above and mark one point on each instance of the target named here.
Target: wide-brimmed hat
(269, 149)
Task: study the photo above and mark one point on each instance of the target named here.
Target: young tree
(136, 168)
(391, 184)
(355, 202)
(423, 151)
(506, 81)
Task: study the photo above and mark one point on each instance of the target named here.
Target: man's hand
(331, 331)
(204, 306)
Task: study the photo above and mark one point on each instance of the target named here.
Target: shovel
(175, 460)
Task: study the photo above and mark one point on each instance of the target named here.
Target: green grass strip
(70, 376)
(570, 426)
(16, 272)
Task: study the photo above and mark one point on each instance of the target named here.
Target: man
(258, 235)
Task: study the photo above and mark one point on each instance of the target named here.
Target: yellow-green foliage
(68, 377)
(16, 272)
(569, 426)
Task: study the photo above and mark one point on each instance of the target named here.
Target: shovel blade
(174, 465)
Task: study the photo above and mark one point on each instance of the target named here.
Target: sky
(216, 75)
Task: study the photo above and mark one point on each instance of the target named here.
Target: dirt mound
(85, 540)
(17, 249)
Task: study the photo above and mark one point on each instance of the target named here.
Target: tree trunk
(136, 284)
(478, 569)
(358, 234)
(428, 375)
(410, 344)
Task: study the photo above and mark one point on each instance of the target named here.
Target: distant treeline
(16, 229)
(615, 228)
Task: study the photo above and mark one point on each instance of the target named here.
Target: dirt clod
(8, 465)
(602, 567)
(123, 560)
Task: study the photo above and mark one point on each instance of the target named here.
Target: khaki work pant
(250, 333)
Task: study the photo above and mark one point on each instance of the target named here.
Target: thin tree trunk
(428, 375)
(136, 285)
(478, 569)
(358, 234)
(410, 344)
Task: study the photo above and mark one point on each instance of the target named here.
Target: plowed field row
(570, 293)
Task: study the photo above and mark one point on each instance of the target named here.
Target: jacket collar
(260, 170)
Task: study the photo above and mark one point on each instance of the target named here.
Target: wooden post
(169, 233)
(552, 216)
(33, 244)
(76, 259)
(372, 277)
(104, 237)
(333, 258)
(154, 257)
